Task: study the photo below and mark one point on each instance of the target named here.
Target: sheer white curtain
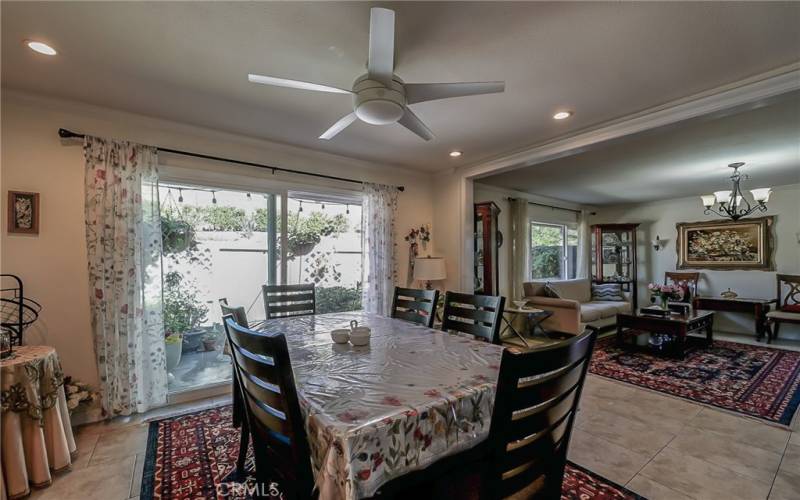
(123, 240)
(520, 246)
(584, 243)
(379, 271)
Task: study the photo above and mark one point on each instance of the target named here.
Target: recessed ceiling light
(562, 115)
(455, 154)
(41, 47)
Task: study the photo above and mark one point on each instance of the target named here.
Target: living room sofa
(574, 308)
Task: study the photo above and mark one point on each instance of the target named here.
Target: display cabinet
(487, 242)
(614, 256)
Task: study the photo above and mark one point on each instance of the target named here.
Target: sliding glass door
(224, 244)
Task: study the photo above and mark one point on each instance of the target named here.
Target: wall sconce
(658, 243)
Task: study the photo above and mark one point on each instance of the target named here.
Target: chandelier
(733, 204)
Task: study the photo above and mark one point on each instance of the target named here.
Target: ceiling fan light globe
(379, 112)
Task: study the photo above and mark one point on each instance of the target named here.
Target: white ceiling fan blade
(337, 127)
(380, 65)
(294, 84)
(421, 92)
(414, 124)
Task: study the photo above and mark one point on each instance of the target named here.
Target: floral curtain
(123, 240)
(379, 272)
(520, 246)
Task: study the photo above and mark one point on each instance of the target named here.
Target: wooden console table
(757, 307)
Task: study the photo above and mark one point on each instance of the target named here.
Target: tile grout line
(775, 477)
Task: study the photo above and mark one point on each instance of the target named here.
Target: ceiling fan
(380, 97)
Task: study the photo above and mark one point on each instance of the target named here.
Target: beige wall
(659, 218)
(53, 264)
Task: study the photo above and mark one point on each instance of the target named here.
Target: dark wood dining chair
(478, 315)
(688, 281)
(416, 306)
(285, 301)
(787, 306)
(240, 316)
(537, 397)
(272, 410)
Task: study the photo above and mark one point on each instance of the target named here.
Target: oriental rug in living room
(752, 380)
(194, 456)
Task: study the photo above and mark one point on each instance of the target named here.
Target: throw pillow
(792, 308)
(607, 292)
(551, 292)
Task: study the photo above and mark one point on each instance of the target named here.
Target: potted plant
(304, 233)
(665, 293)
(209, 341)
(183, 310)
(173, 345)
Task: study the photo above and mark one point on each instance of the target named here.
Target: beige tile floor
(657, 446)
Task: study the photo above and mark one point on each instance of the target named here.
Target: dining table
(374, 413)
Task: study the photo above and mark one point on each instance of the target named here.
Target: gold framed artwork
(726, 245)
(23, 212)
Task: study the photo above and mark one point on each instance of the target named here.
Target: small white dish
(341, 336)
(520, 304)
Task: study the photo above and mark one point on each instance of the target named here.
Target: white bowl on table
(341, 336)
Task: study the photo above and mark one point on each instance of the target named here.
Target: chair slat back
(416, 306)
(239, 314)
(792, 284)
(284, 301)
(272, 407)
(477, 315)
(537, 396)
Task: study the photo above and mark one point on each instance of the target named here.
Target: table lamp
(429, 269)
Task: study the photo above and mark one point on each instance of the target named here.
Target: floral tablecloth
(376, 412)
(36, 433)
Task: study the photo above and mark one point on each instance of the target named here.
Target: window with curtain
(553, 251)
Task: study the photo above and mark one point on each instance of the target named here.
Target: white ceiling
(680, 160)
(188, 61)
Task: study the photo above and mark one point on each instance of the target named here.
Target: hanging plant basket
(177, 236)
(301, 249)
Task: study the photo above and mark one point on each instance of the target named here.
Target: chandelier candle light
(733, 204)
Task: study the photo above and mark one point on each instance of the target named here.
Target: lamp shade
(722, 196)
(761, 194)
(429, 269)
(708, 200)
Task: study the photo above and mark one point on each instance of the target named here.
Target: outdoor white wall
(659, 218)
(53, 264)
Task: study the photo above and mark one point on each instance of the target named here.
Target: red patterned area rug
(751, 380)
(194, 456)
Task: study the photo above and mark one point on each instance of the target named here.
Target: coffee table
(676, 326)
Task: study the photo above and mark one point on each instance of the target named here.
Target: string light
(214, 197)
(301, 206)
(248, 196)
(348, 209)
(180, 195)
(323, 206)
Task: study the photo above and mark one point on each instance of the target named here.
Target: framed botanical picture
(23, 212)
(726, 245)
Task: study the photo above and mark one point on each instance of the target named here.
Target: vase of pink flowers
(665, 293)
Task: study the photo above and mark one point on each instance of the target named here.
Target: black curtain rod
(554, 207)
(67, 134)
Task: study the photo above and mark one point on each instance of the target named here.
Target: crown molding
(752, 90)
